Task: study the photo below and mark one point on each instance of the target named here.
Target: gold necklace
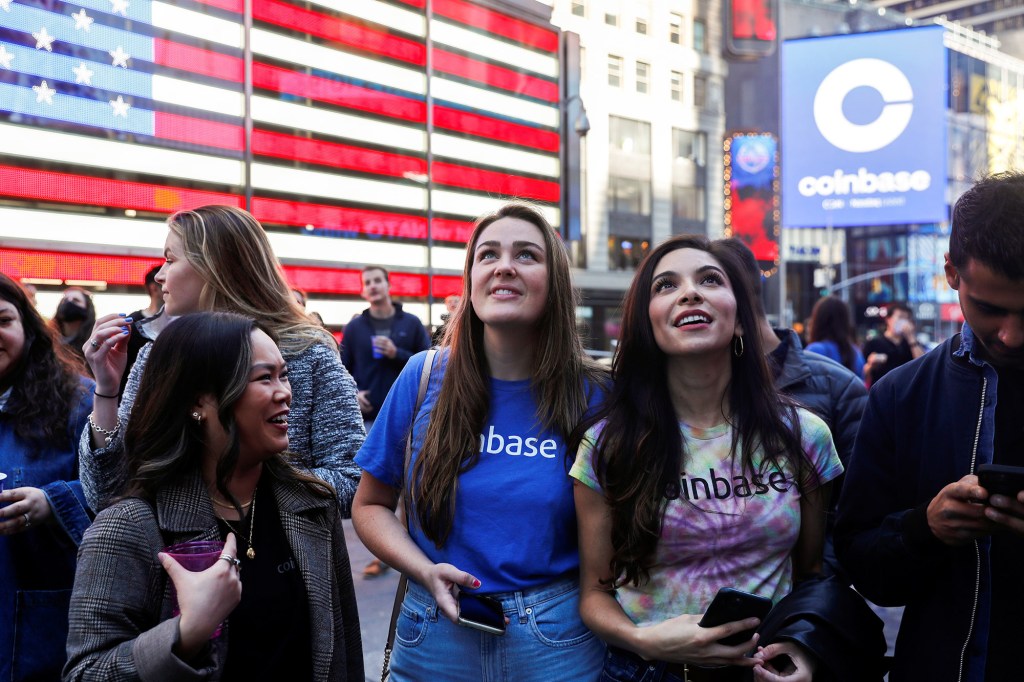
(251, 553)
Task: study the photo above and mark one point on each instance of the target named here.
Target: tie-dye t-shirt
(727, 529)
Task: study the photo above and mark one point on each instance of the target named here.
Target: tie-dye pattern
(712, 538)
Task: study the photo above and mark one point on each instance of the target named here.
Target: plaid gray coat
(120, 620)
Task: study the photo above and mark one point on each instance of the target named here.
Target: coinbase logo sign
(888, 81)
(863, 129)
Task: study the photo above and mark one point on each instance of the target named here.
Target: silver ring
(230, 559)
(94, 343)
(28, 521)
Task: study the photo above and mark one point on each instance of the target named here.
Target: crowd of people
(554, 519)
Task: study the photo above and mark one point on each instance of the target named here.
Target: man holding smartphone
(915, 528)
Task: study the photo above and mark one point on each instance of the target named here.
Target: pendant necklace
(250, 553)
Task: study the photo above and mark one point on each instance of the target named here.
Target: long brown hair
(45, 382)
(561, 369)
(831, 321)
(640, 451)
(241, 274)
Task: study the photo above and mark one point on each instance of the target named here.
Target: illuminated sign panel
(111, 107)
(751, 186)
(864, 129)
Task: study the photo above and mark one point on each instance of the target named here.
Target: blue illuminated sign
(864, 129)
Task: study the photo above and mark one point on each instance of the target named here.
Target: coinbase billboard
(864, 129)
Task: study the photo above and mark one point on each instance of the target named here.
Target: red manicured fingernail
(476, 583)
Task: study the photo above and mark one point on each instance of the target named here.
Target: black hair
(988, 225)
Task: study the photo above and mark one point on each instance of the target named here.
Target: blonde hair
(230, 251)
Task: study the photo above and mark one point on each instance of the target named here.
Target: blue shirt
(830, 349)
(515, 522)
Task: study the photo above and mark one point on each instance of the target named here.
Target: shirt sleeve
(820, 449)
(583, 468)
(383, 452)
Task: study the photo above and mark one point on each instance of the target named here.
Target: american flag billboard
(358, 132)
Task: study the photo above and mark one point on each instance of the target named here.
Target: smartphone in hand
(1001, 479)
(481, 613)
(730, 605)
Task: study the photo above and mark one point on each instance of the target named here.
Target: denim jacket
(37, 566)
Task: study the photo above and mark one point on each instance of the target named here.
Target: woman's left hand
(798, 667)
(25, 508)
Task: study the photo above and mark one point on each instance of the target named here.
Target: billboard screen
(864, 129)
(751, 204)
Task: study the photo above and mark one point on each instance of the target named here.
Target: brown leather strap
(428, 366)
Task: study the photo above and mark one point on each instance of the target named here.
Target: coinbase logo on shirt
(863, 129)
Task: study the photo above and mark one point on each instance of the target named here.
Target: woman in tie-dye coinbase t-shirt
(695, 475)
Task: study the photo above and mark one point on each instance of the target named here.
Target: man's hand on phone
(958, 514)
(1007, 512)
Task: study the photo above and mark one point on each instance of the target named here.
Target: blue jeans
(545, 640)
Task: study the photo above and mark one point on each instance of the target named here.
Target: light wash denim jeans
(545, 640)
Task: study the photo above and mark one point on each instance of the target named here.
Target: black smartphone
(1001, 479)
(482, 613)
(730, 605)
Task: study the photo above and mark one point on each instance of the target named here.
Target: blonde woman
(218, 258)
(490, 505)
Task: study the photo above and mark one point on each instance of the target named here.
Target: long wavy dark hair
(451, 444)
(45, 382)
(831, 321)
(640, 451)
(200, 354)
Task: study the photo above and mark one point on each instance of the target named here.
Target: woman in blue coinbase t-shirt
(488, 500)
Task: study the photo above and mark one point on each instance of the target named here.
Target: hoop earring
(198, 417)
(737, 346)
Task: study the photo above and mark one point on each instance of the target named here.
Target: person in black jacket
(915, 528)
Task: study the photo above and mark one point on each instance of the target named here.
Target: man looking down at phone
(915, 527)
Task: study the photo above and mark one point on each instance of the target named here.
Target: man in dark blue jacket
(915, 528)
(379, 342)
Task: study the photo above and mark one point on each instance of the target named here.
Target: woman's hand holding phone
(682, 639)
(441, 580)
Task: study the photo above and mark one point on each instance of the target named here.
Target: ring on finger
(28, 521)
(94, 343)
(234, 561)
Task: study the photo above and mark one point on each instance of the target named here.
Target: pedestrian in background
(204, 449)
(146, 322)
(379, 341)
(897, 346)
(488, 503)
(44, 403)
(74, 319)
(832, 334)
(219, 258)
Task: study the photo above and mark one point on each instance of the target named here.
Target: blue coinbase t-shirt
(515, 523)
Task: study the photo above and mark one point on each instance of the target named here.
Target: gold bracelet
(108, 434)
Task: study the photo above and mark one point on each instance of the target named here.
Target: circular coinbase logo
(753, 155)
(880, 75)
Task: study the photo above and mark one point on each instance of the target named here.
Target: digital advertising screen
(864, 129)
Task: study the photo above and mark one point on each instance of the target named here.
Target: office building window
(676, 85)
(628, 136)
(579, 8)
(700, 35)
(688, 207)
(700, 91)
(643, 77)
(629, 195)
(641, 25)
(614, 71)
(642, 9)
(675, 28)
(612, 10)
(689, 147)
